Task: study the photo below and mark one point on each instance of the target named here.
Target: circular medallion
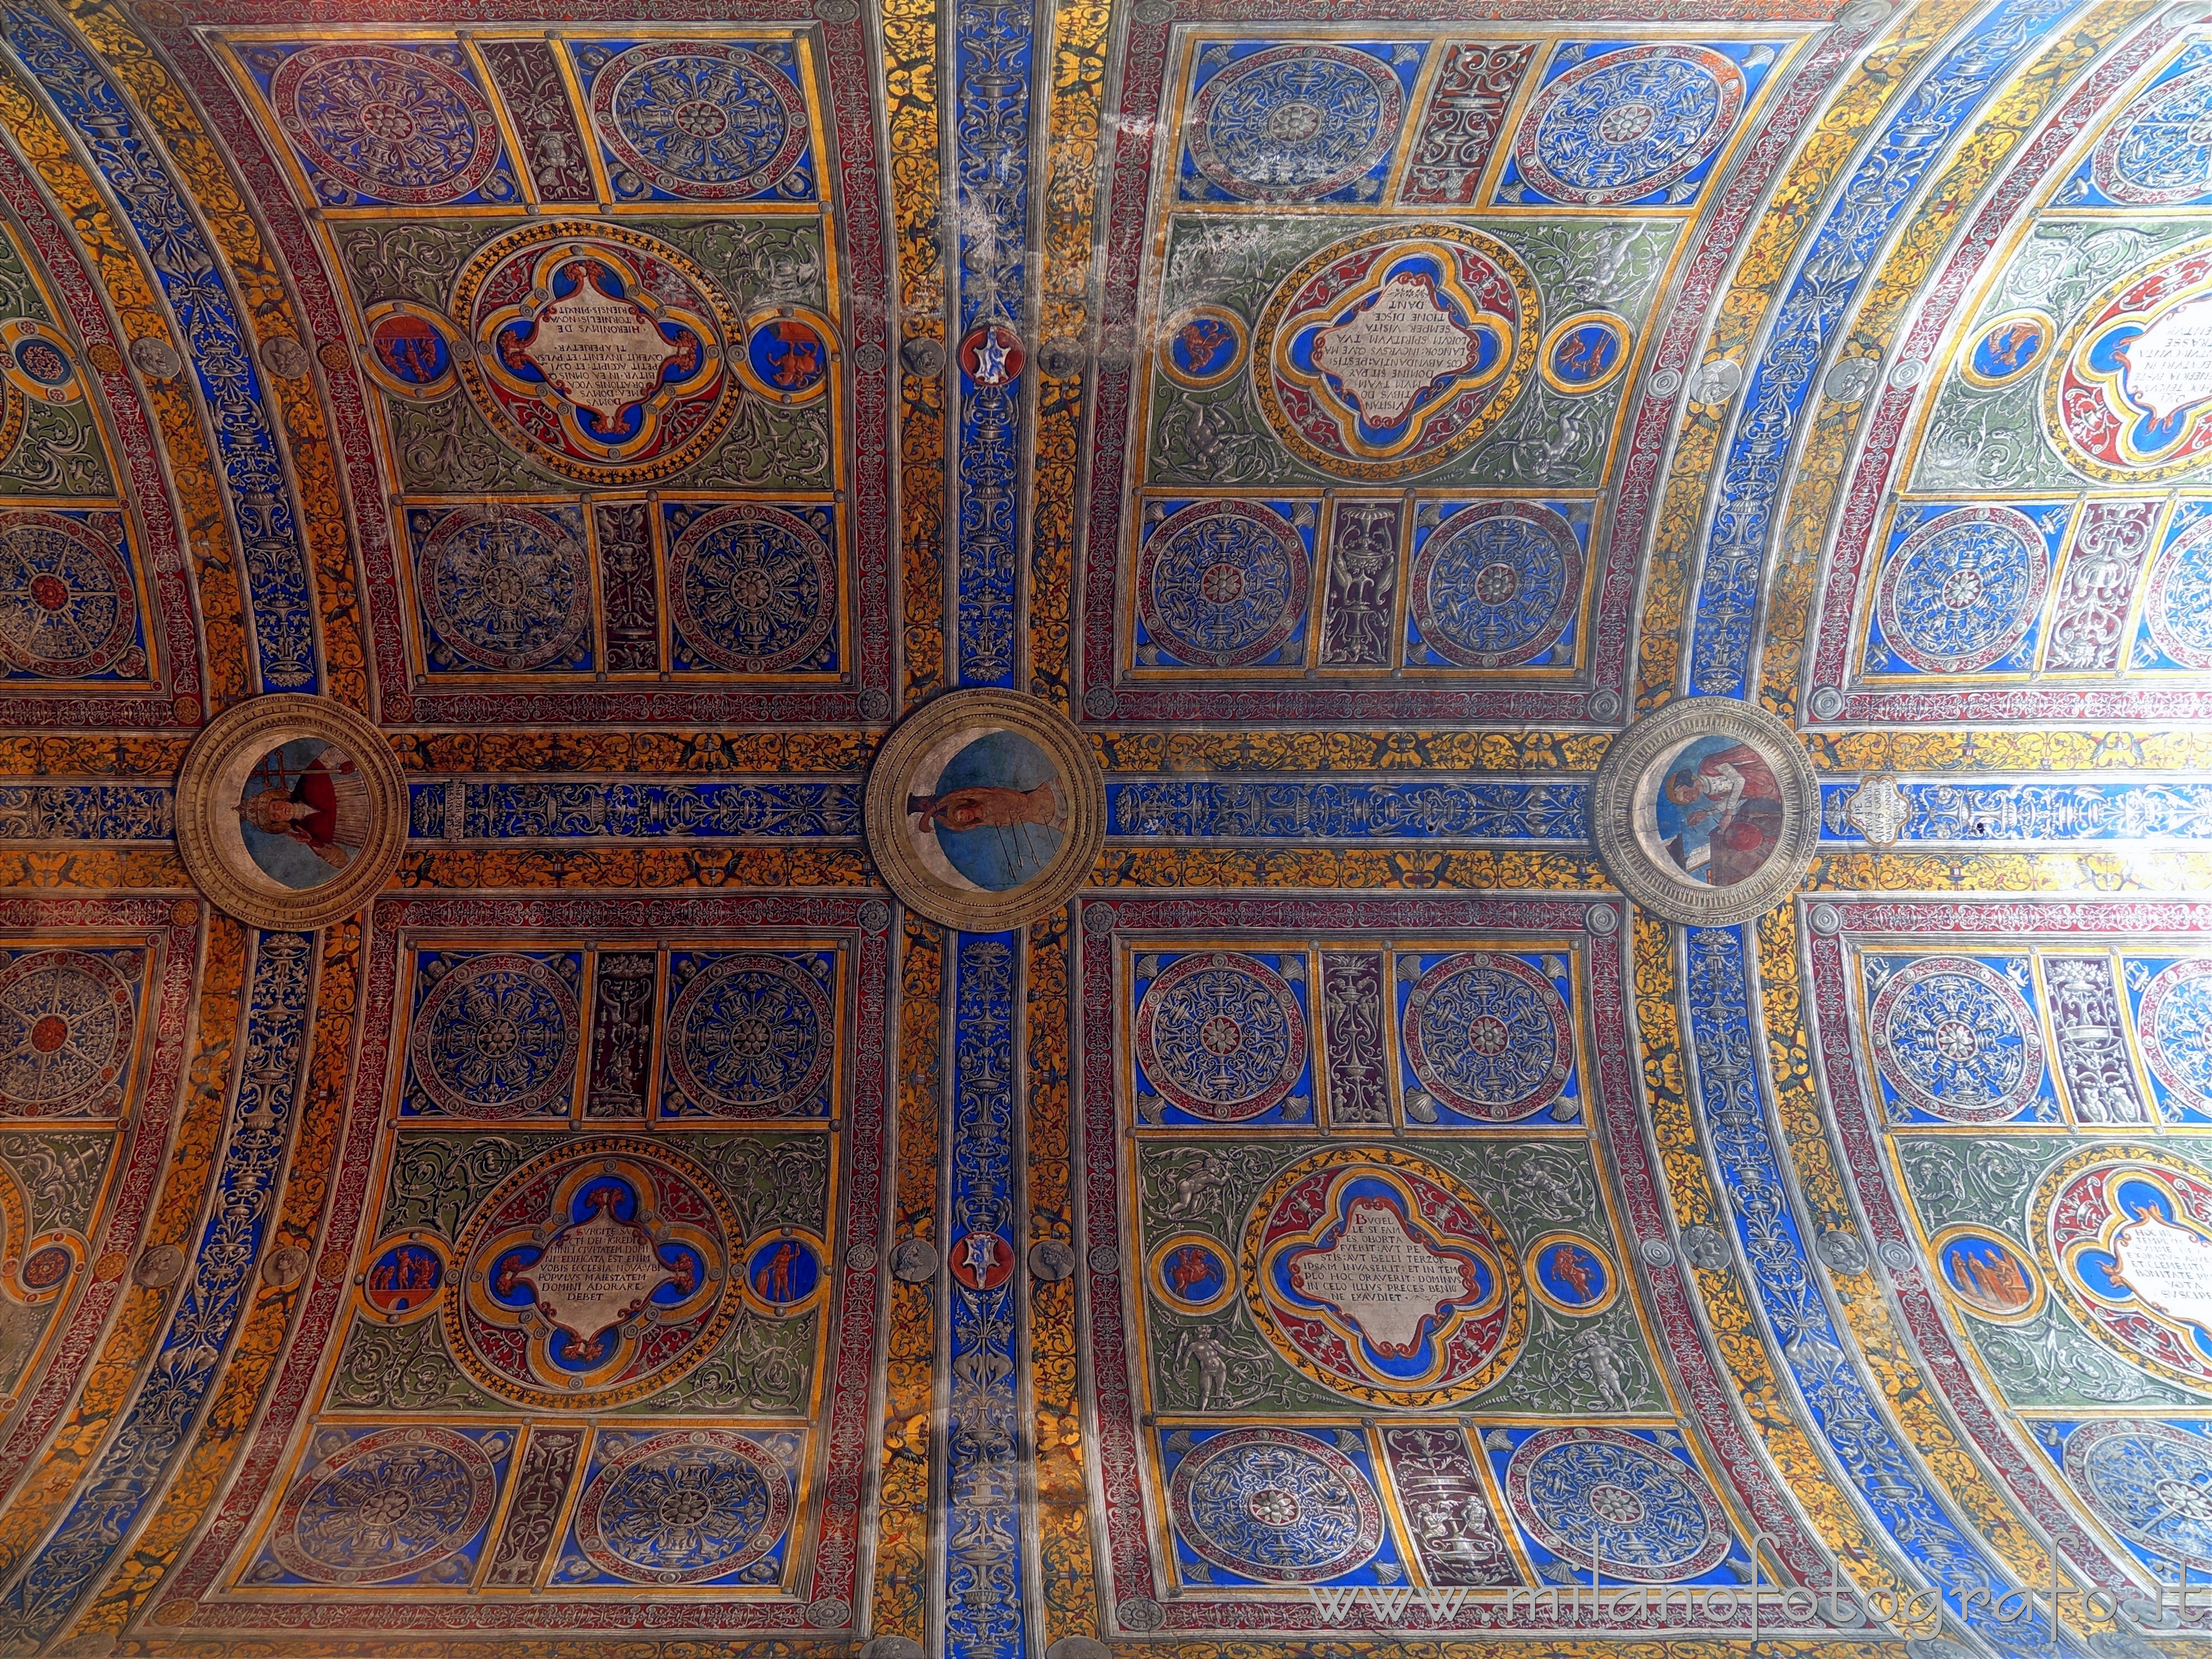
(1221, 583)
(1202, 346)
(2175, 1020)
(1572, 1274)
(1987, 1274)
(986, 809)
(2150, 1482)
(410, 351)
(1498, 583)
(753, 588)
(706, 120)
(385, 1506)
(37, 361)
(1488, 1035)
(1275, 1505)
(1292, 123)
(1220, 1035)
(1964, 588)
(496, 1038)
(1953, 1037)
(2179, 608)
(1652, 1516)
(1191, 1273)
(386, 122)
(752, 1036)
(291, 811)
(66, 606)
(404, 1278)
(784, 1273)
(2159, 152)
(980, 1260)
(1706, 811)
(598, 350)
(1383, 1278)
(506, 587)
(2124, 1234)
(67, 1022)
(684, 1507)
(788, 355)
(1388, 353)
(1628, 123)
(596, 1273)
(46, 1269)
(992, 355)
(2006, 348)
(1585, 353)
(2127, 391)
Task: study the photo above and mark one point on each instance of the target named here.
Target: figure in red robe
(326, 809)
(1731, 810)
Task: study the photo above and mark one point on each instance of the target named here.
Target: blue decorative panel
(71, 604)
(2032, 814)
(1962, 588)
(1497, 584)
(2156, 152)
(503, 588)
(1222, 1036)
(719, 121)
(1486, 1037)
(2141, 1478)
(1836, 259)
(2169, 1002)
(1224, 584)
(667, 1506)
(387, 1505)
(494, 1034)
(521, 809)
(87, 811)
(1265, 809)
(1303, 121)
(151, 1431)
(382, 123)
(752, 1034)
(2175, 629)
(1276, 1506)
(753, 588)
(280, 591)
(1957, 1038)
(1627, 1504)
(1619, 123)
(983, 1614)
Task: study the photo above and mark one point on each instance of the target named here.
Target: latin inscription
(600, 353)
(2168, 1266)
(2169, 364)
(1395, 349)
(595, 1274)
(1379, 1275)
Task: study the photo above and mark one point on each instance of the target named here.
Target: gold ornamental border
(1622, 776)
(215, 771)
(971, 910)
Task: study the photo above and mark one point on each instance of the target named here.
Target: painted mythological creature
(1189, 1267)
(772, 1282)
(1568, 1268)
(2005, 350)
(797, 355)
(1203, 340)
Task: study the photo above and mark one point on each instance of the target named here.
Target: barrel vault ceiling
(1838, 1279)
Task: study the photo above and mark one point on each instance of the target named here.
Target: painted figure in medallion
(996, 814)
(304, 812)
(1719, 811)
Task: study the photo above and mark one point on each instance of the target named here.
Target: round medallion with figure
(1381, 1277)
(1706, 810)
(2123, 1235)
(291, 811)
(1388, 353)
(599, 351)
(986, 809)
(596, 1273)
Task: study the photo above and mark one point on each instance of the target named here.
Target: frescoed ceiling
(1215, 828)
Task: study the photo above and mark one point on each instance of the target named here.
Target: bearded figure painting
(1719, 810)
(304, 812)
